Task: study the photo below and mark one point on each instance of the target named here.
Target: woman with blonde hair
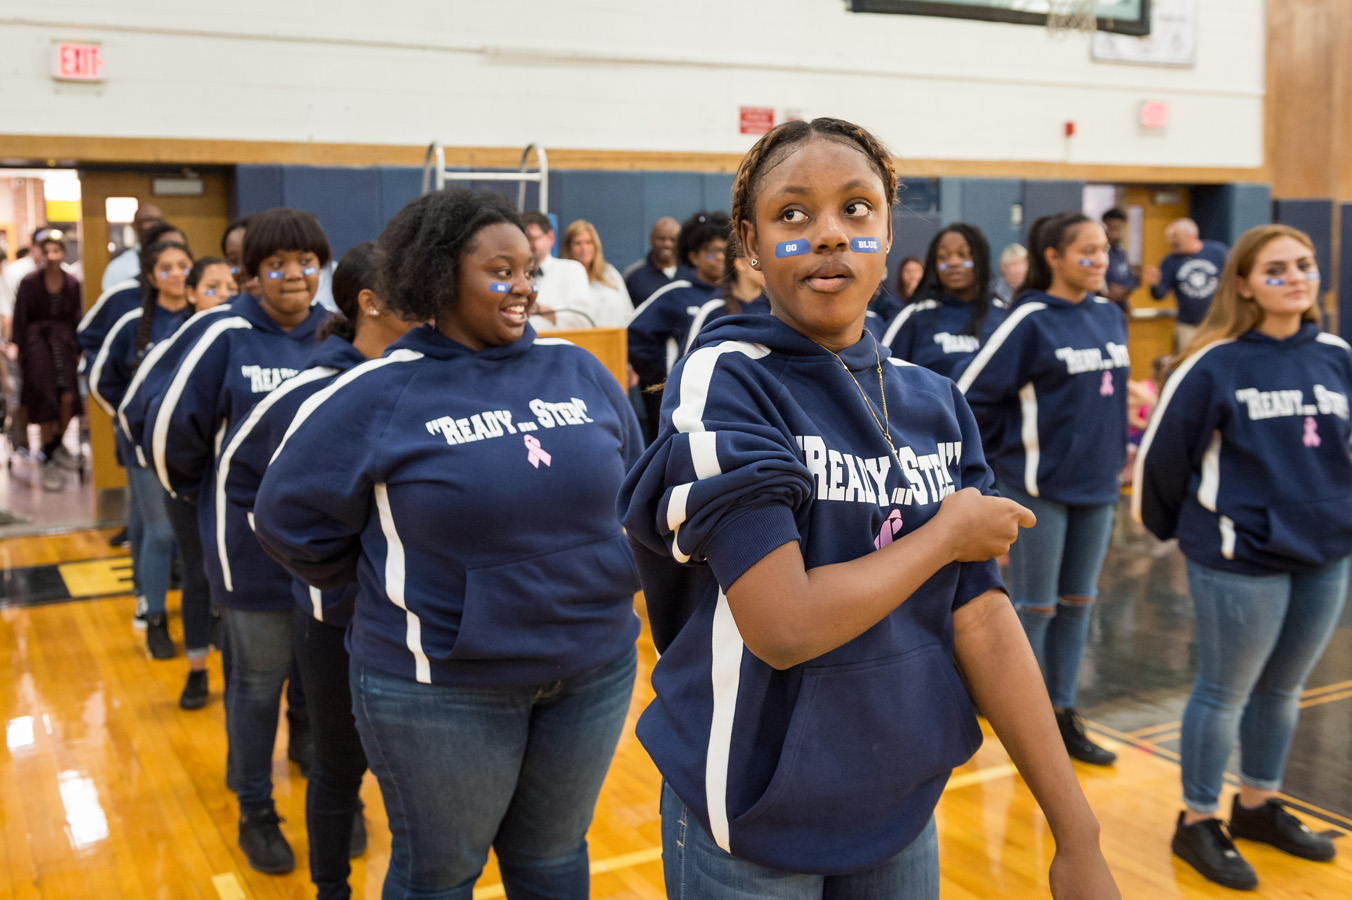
(1246, 462)
(613, 306)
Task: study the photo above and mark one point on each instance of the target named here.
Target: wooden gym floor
(108, 789)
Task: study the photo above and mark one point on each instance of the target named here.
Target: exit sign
(77, 62)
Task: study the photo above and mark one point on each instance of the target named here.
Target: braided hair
(150, 295)
(774, 144)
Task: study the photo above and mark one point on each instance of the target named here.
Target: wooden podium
(610, 345)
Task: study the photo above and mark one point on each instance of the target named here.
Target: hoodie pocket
(1313, 533)
(863, 736)
(553, 606)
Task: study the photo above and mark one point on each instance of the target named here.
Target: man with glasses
(563, 292)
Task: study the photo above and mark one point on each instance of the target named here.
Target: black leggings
(196, 595)
(338, 762)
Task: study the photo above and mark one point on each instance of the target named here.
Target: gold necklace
(882, 426)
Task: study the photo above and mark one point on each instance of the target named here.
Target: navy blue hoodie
(114, 303)
(471, 496)
(836, 764)
(1246, 458)
(152, 378)
(116, 364)
(660, 328)
(247, 451)
(232, 364)
(1049, 388)
(933, 333)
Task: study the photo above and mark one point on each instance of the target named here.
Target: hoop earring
(755, 263)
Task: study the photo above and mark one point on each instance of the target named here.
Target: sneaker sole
(1300, 852)
(1245, 884)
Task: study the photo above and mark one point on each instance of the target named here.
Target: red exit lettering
(77, 62)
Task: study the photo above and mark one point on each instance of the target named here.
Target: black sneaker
(357, 846)
(119, 540)
(158, 642)
(263, 843)
(1077, 742)
(1205, 847)
(195, 692)
(1272, 824)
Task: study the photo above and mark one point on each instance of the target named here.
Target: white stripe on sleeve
(689, 419)
(160, 434)
(96, 371)
(726, 674)
(997, 339)
(395, 578)
(228, 457)
(1170, 386)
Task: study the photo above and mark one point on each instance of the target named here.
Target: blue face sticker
(1087, 263)
(866, 245)
(1274, 282)
(209, 292)
(499, 287)
(963, 264)
(792, 248)
(1312, 275)
(310, 270)
(273, 274)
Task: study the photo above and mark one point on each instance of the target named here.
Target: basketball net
(1067, 17)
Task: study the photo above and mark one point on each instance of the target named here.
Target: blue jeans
(466, 768)
(260, 662)
(338, 763)
(1258, 639)
(696, 868)
(153, 552)
(1053, 580)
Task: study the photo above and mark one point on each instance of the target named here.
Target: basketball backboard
(1117, 16)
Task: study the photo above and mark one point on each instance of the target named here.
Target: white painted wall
(622, 75)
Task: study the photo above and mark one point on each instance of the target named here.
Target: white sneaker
(53, 479)
(138, 619)
(63, 458)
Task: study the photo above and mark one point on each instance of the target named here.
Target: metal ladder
(435, 174)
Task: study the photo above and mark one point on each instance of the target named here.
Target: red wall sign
(757, 119)
(1154, 114)
(77, 62)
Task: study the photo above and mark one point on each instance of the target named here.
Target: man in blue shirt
(1123, 278)
(1192, 271)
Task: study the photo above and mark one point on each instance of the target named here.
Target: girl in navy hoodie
(364, 329)
(953, 310)
(468, 486)
(815, 538)
(660, 329)
(1050, 391)
(227, 365)
(164, 307)
(1246, 463)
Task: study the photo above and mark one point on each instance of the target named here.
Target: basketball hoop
(1067, 17)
